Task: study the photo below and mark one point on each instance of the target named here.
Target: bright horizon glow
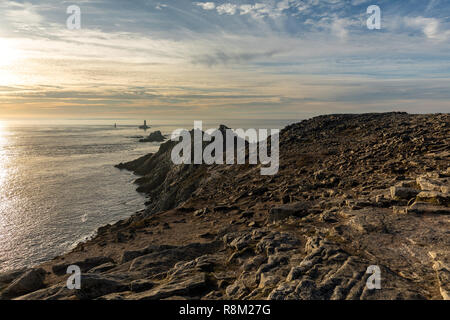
(8, 54)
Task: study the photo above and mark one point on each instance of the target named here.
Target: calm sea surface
(58, 184)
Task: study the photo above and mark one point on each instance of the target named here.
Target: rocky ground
(353, 191)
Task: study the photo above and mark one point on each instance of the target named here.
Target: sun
(8, 54)
(9, 58)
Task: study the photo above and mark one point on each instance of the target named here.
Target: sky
(264, 59)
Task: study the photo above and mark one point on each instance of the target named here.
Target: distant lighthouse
(145, 127)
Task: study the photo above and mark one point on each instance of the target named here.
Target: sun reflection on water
(3, 155)
(4, 159)
(58, 185)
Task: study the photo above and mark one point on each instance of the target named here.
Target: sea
(58, 183)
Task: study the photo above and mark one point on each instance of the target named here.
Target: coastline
(216, 232)
(64, 189)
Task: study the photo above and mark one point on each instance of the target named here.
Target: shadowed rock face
(154, 137)
(353, 191)
(29, 281)
(167, 184)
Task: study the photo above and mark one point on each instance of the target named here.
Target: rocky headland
(352, 191)
(156, 136)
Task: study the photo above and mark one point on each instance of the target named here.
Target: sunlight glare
(3, 157)
(8, 54)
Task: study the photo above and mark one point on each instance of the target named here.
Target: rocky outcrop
(84, 265)
(431, 195)
(29, 281)
(156, 136)
(168, 185)
(354, 194)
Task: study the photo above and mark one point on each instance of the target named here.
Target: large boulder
(30, 281)
(7, 277)
(85, 265)
(403, 193)
(95, 285)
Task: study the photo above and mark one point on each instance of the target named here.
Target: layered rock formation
(156, 136)
(353, 191)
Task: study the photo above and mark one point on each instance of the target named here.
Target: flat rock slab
(175, 287)
(427, 208)
(296, 209)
